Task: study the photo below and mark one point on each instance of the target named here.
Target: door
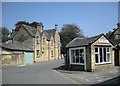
(28, 57)
(116, 57)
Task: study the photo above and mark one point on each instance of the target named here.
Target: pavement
(48, 73)
(105, 76)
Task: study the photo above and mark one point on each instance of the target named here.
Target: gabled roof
(83, 41)
(30, 30)
(16, 47)
(49, 33)
(111, 34)
(115, 42)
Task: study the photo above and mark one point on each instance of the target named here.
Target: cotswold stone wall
(14, 58)
(119, 57)
(95, 66)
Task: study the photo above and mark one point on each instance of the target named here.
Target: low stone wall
(77, 67)
(98, 67)
(12, 59)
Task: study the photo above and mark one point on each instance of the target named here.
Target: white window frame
(70, 58)
(103, 55)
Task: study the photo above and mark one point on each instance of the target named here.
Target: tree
(21, 22)
(34, 24)
(68, 33)
(4, 32)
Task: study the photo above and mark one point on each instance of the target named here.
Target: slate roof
(49, 33)
(32, 31)
(83, 41)
(16, 47)
(115, 42)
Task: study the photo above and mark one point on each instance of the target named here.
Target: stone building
(13, 54)
(45, 43)
(115, 38)
(90, 54)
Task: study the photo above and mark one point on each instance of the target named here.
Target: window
(43, 40)
(37, 40)
(37, 53)
(77, 56)
(96, 55)
(52, 53)
(51, 42)
(102, 54)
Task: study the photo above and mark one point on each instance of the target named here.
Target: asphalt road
(39, 73)
(45, 73)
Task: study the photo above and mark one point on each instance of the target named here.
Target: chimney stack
(56, 26)
(40, 27)
(118, 25)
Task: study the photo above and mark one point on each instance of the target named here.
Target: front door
(116, 57)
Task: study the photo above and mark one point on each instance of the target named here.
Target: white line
(67, 78)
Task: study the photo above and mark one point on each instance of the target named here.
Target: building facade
(90, 54)
(13, 54)
(115, 38)
(45, 43)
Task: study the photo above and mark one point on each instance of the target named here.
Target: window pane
(108, 57)
(77, 55)
(37, 53)
(108, 49)
(77, 59)
(101, 54)
(104, 54)
(77, 52)
(81, 50)
(72, 56)
(82, 58)
(73, 59)
(96, 58)
(96, 49)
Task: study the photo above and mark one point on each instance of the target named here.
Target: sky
(92, 17)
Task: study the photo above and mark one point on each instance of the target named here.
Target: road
(45, 73)
(38, 73)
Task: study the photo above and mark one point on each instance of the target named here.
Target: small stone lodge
(90, 54)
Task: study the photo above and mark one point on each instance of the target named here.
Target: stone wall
(12, 58)
(101, 66)
(88, 58)
(119, 57)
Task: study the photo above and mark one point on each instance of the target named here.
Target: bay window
(102, 54)
(77, 55)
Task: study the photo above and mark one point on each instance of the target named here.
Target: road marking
(67, 78)
(87, 79)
